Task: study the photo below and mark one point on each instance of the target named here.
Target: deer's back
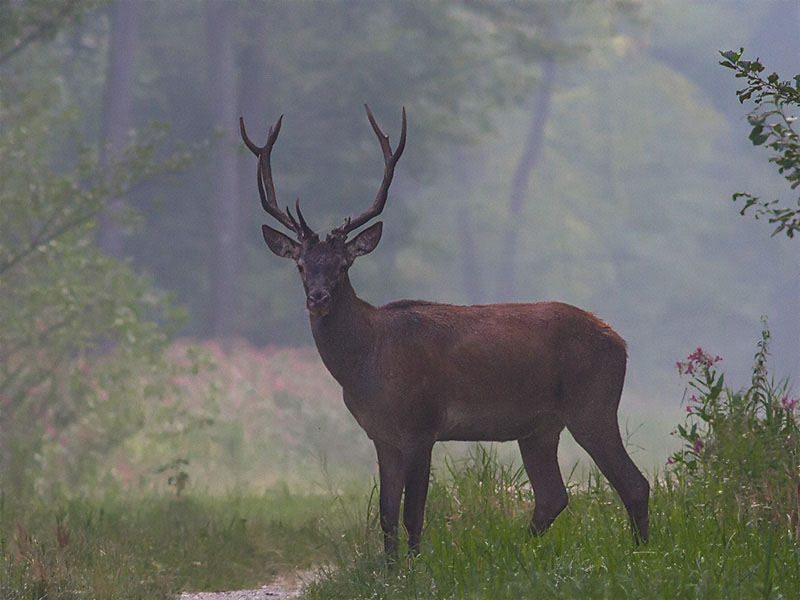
(491, 371)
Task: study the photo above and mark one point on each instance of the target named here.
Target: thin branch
(40, 31)
(44, 239)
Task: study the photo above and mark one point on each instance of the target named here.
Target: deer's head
(323, 264)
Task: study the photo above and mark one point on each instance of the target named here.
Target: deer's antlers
(266, 188)
(389, 160)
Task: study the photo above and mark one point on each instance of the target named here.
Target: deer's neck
(345, 337)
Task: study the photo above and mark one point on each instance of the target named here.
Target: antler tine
(382, 138)
(307, 231)
(266, 188)
(271, 137)
(389, 160)
(303, 230)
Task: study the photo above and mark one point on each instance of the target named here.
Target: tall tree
(531, 153)
(117, 118)
(223, 89)
(472, 278)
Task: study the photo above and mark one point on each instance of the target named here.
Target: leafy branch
(773, 126)
(26, 23)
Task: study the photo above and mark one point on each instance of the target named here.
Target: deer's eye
(300, 268)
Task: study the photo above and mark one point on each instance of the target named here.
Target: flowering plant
(745, 444)
(702, 407)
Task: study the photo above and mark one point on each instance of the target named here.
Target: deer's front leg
(391, 472)
(417, 475)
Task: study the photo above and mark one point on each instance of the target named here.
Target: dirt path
(265, 593)
(282, 588)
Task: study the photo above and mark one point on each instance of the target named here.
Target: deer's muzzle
(318, 303)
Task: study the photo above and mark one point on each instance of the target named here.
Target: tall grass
(476, 545)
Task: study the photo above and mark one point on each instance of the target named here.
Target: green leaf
(732, 56)
(757, 137)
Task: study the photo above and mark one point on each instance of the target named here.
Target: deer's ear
(280, 244)
(364, 242)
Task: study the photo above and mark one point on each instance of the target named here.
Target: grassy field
(188, 514)
(475, 545)
(155, 546)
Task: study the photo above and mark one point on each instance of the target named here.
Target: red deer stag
(414, 373)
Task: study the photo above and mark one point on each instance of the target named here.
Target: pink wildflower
(788, 404)
(698, 445)
(696, 359)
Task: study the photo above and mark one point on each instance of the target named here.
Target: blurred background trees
(584, 151)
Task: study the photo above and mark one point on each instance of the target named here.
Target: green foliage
(773, 126)
(25, 23)
(178, 477)
(82, 335)
(745, 445)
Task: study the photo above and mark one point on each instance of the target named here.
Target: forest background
(581, 151)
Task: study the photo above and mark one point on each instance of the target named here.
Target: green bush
(82, 335)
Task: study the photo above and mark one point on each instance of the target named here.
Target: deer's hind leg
(604, 445)
(539, 455)
(592, 420)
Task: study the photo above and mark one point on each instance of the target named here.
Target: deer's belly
(498, 423)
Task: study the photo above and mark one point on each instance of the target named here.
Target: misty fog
(579, 151)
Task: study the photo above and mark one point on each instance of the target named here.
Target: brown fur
(414, 373)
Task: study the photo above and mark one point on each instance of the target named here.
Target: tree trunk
(471, 278)
(467, 166)
(117, 113)
(531, 152)
(226, 224)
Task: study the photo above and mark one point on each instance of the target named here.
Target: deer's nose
(318, 302)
